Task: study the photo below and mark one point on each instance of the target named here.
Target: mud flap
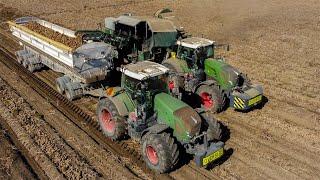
(212, 153)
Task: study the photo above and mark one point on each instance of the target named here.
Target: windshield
(130, 84)
(209, 51)
(199, 53)
(157, 83)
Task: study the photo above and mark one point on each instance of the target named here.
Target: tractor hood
(184, 120)
(225, 74)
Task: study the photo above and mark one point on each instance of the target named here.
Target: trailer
(84, 68)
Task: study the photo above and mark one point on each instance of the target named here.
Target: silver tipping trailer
(84, 68)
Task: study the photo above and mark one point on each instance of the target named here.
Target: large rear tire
(214, 132)
(174, 80)
(111, 123)
(211, 98)
(160, 152)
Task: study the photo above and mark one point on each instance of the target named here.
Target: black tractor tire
(25, 63)
(214, 131)
(31, 68)
(111, 123)
(61, 84)
(175, 82)
(211, 98)
(70, 94)
(160, 152)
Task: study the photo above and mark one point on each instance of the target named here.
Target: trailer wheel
(31, 68)
(111, 123)
(211, 98)
(25, 63)
(73, 90)
(61, 83)
(160, 152)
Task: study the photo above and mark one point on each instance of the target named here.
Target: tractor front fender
(207, 82)
(120, 106)
(121, 100)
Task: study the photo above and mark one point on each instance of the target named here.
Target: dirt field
(275, 42)
(12, 163)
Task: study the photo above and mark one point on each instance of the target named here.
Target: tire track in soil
(68, 161)
(13, 164)
(275, 78)
(304, 77)
(282, 154)
(281, 120)
(42, 164)
(307, 87)
(238, 169)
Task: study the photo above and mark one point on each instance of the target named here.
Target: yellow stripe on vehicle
(236, 105)
(242, 102)
(239, 101)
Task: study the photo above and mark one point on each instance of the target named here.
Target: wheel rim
(171, 85)
(206, 100)
(107, 122)
(152, 155)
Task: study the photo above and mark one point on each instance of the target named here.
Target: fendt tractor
(196, 71)
(142, 110)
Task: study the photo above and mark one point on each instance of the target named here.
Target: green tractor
(196, 71)
(142, 109)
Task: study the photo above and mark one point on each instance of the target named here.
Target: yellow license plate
(255, 100)
(212, 157)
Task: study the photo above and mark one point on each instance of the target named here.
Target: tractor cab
(195, 50)
(142, 81)
(140, 37)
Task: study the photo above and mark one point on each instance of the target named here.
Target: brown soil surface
(68, 161)
(56, 36)
(275, 42)
(12, 163)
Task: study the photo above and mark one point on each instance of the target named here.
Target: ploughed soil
(275, 42)
(54, 35)
(12, 163)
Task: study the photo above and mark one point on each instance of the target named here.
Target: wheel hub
(152, 155)
(171, 85)
(206, 100)
(107, 121)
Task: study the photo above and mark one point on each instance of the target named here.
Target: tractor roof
(195, 42)
(143, 70)
(155, 24)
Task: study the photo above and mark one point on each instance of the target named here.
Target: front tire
(160, 152)
(211, 98)
(111, 123)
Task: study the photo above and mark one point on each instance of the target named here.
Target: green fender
(121, 100)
